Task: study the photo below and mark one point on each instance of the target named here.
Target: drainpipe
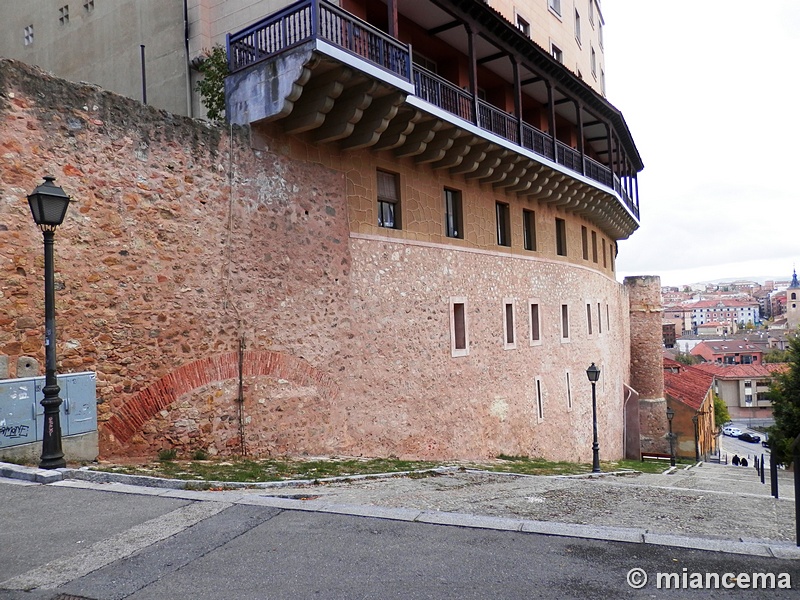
(186, 62)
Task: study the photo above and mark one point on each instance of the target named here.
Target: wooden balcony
(319, 69)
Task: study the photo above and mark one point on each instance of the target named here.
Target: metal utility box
(21, 413)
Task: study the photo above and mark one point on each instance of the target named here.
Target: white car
(732, 431)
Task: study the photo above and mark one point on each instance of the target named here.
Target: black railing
(443, 94)
(318, 19)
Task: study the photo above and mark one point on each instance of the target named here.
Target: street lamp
(593, 373)
(49, 204)
(670, 414)
(696, 441)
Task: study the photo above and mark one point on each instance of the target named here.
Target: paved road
(64, 542)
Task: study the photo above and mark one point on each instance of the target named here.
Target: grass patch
(253, 471)
(539, 466)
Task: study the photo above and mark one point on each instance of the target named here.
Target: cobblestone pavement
(708, 501)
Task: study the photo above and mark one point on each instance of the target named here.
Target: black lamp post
(49, 204)
(593, 373)
(670, 414)
(696, 440)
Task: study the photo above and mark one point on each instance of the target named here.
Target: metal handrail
(310, 19)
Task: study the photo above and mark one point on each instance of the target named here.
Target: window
(794, 295)
(594, 246)
(523, 26)
(425, 62)
(564, 322)
(529, 229)
(453, 215)
(556, 52)
(569, 393)
(539, 401)
(591, 12)
(536, 324)
(459, 340)
(594, 62)
(63, 14)
(578, 27)
(388, 200)
(599, 319)
(503, 224)
(612, 250)
(589, 318)
(585, 242)
(88, 5)
(555, 6)
(608, 318)
(28, 35)
(605, 256)
(561, 237)
(600, 34)
(603, 81)
(509, 341)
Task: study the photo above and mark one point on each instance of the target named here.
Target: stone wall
(186, 245)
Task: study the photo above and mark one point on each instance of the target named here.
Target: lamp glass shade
(670, 413)
(593, 373)
(48, 204)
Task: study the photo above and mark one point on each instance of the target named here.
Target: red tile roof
(742, 371)
(689, 385)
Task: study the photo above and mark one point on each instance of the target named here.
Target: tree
(776, 356)
(687, 359)
(211, 88)
(785, 396)
(721, 414)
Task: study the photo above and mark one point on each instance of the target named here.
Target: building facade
(406, 246)
(149, 49)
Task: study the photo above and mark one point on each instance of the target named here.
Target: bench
(655, 456)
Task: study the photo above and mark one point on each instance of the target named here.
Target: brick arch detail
(132, 416)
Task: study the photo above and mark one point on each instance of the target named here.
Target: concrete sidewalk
(706, 507)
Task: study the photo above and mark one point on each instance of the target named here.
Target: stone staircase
(726, 479)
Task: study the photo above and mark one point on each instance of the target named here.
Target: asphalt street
(64, 543)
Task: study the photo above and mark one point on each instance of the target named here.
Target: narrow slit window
(453, 214)
(594, 246)
(509, 341)
(388, 200)
(605, 255)
(536, 325)
(599, 320)
(589, 318)
(459, 335)
(585, 242)
(569, 393)
(564, 322)
(529, 229)
(539, 401)
(561, 237)
(503, 224)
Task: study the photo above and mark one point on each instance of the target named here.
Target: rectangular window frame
(589, 319)
(561, 237)
(453, 214)
(529, 229)
(523, 25)
(557, 53)
(599, 320)
(593, 61)
(27, 35)
(534, 322)
(503, 216)
(565, 323)
(605, 254)
(594, 246)
(555, 6)
(389, 199)
(459, 327)
(578, 27)
(509, 324)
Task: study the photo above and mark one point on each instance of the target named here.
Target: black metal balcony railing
(310, 19)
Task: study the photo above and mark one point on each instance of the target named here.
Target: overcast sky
(711, 93)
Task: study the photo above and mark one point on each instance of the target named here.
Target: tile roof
(742, 371)
(689, 385)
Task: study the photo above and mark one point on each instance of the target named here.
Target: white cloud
(708, 90)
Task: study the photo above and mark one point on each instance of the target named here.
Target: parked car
(732, 431)
(750, 437)
(765, 443)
